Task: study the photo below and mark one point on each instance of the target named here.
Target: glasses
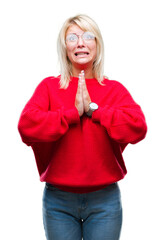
(86, 37)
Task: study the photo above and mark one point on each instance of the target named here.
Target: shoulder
(52, 80)
(116, 87)
(49, 83)
(113, 84)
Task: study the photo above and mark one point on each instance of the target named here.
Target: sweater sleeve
(122, 118)
(38, 124)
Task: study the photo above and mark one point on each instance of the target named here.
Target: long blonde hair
(86, 24)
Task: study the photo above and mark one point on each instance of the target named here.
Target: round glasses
(86, 36)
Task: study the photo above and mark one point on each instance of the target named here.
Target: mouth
(81, 53)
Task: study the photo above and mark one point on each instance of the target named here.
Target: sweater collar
(88, 80)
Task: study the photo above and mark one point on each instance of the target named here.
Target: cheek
(94, 49)
(69, 50)
(70, 54)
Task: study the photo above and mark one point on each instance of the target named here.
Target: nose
(80, 42)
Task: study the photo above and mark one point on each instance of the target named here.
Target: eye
(71, 38)
(88, 36)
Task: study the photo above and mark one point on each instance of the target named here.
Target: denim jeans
(88, 216)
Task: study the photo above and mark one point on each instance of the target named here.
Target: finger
(82, 80)
(83, 76)
(79, 77)
(84, 87)
(79, 89)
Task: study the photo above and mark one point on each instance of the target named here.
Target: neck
(88, 72)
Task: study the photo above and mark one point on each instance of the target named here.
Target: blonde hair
(86, 24)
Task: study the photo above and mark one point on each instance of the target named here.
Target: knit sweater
(81, 154)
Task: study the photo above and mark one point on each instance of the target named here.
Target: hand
(82, 96)
(85, 93)
(79, 98)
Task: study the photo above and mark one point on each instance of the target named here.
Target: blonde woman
(78, 125)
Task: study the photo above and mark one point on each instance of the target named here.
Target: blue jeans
(91, 216)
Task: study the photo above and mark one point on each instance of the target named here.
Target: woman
(78, 125)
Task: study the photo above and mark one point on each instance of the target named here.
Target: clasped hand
(82, 99)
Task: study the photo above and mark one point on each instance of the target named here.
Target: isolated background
(134, 37)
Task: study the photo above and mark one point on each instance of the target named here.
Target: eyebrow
(73, 33)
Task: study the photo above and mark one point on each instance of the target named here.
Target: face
(82, 50)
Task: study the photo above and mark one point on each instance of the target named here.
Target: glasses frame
(78, 36)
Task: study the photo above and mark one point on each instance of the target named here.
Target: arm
(123, 118)
(38, 124)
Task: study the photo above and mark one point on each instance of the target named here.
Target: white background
(133, 33)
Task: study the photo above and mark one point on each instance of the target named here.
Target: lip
(82, 53)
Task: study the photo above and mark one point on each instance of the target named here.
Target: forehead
(74, 29)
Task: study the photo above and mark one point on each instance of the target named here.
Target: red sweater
(81, 154)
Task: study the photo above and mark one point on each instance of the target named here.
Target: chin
(82, 61)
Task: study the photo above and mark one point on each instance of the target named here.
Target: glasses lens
(71, 38)
(88, 36)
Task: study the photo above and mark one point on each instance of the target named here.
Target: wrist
(92, 108)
